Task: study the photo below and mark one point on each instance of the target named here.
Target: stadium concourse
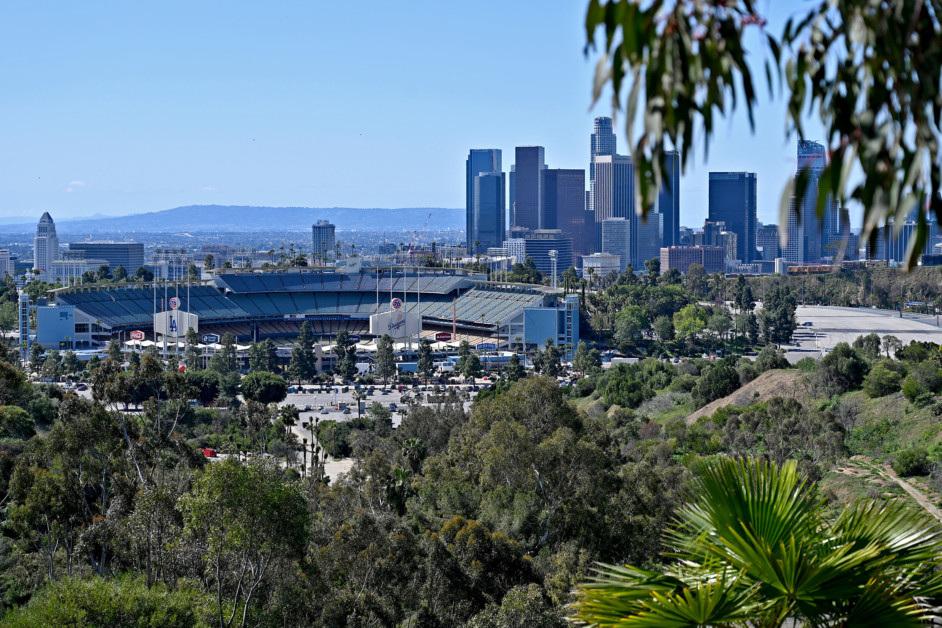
(258, 305)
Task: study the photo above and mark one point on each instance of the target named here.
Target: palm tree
(755, 548)
(359, 396)
(414, 450)
(399, 489)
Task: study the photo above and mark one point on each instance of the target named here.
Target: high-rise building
(767, 240)
(46, 244)
(713, 234)
(649, 239)
(614, 194)
(130, 255)
(668, 200)
(323, 238)
(733, 201)
(7, 263)
(893, 246)
(528, 210)
(487, 220)
(540, 242)
(615, 237)
(564, 199)
(603, 142)
(516, 248)
(808, 236)
(479, 160)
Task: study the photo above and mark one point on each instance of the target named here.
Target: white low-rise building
(602, 263)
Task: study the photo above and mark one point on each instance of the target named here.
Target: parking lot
(330, 406)
(831, 325)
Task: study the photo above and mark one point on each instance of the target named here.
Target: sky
(126, 107)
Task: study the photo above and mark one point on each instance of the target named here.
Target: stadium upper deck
(275, 304)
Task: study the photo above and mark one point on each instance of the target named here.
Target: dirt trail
(915, 493)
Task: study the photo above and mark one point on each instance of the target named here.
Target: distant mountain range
(241, 218)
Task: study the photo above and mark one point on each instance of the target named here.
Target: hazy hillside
(239, 218)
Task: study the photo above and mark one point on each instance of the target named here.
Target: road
(831, 325)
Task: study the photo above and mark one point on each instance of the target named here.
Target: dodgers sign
(210, 339)
(396, 303)
(174, 303)
(485, 346)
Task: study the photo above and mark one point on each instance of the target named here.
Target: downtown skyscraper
(602, 142)
(733, 202)
(488, 228)
(668, 200)
(564, 202)
(480, 160)
(528, 211)
(809, 237)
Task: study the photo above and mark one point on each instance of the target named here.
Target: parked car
(346, 410)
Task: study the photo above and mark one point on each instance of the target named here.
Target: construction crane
(417, 235)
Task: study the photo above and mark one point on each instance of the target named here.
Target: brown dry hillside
(775, 383)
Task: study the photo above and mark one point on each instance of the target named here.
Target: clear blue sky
(126, 107)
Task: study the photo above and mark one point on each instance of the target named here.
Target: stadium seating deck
(239, 299)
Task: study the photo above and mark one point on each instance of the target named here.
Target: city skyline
(157, 127)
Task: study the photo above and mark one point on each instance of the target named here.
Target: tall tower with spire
(46, 244)
(602, 143)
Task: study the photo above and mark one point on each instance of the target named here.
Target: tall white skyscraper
(602, 143)
(46, 244)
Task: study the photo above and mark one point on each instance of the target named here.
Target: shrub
(913, 461)
(806, 365)
(123, 601)
(881, 382)
(771, 357)
(923, 378)
(841, 370)
(715, 383)
(747, 371)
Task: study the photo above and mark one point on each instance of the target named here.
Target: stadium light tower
(552, 256)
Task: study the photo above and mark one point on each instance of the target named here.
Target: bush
(841, 370)
(15, 422)
(771, 357)
(124, 601)
(806, 365)
(923, 378)
(747, 371)
(584, 387)
(881, 382)
(913, 461)
(683, 383)
(715, 383)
